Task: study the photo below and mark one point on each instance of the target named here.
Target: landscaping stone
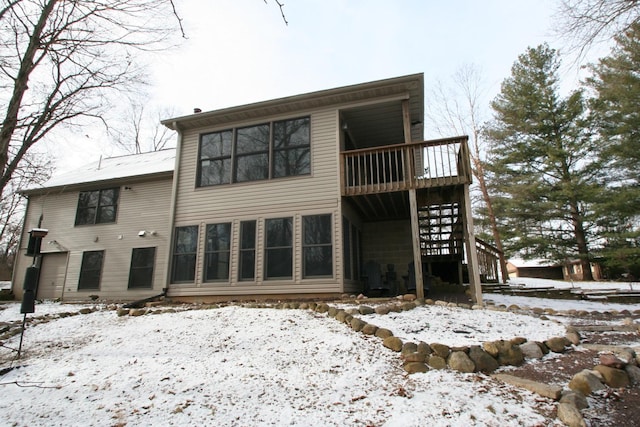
(436, 362)
(634, 374)
(570, 415)
(365, 309)
(585, 382)
(577, 399)
(85, 310)
(415, 367)
(137, 312)
(551, 391)
(369, 329)
(393, 343)
(122, 312)
(409, 347)
(482, 360)
(459, 361)
(505, 352)
(322, 308)
(440, 350)
(383, 333)
(424, 348)
(557, 344)
(332, 311)
(414, 357)
(613, 377)
(531, 350)
(610, 360)
(357, 324)
(341, 315)
(382, 309)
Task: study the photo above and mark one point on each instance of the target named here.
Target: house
(536, 268)
(287, 197)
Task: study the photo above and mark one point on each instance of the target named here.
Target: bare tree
(61, 61)
(458, 109)
(34, 170)
(140, 130)
(583, 23)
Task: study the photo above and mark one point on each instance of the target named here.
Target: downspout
(172, 210)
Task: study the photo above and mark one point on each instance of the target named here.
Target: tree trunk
(581, 241)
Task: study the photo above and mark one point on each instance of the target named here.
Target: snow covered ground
(236, 366)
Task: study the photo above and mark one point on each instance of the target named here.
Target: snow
(239, 366)
(116, 167)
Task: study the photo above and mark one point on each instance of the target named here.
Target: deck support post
(470, 241)
(417, 253)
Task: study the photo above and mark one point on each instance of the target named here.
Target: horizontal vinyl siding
(321, 188)
(144, 207)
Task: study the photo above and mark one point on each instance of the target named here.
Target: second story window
(254, 153)
(97, 207)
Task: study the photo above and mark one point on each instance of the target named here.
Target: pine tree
(616, 114)
(543, 163)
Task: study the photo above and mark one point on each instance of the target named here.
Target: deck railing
(488, 260)
(426, 164)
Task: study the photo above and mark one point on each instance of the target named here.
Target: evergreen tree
(543, 163)
(616, 114)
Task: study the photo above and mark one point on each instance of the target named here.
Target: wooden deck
(400, 167)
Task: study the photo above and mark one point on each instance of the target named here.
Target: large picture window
(141, 271)
(317, 248)
(185, 248)
(247, 269)
(291, 149)
(215, 158)
(97, 207)
(90, 270)
(278, 248)
(252, 153)
(217, 251)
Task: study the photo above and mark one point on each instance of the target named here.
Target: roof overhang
(409, 86)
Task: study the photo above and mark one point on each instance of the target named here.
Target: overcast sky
(241, 51)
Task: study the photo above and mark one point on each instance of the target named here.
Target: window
(97, 207)
(215, 158)
(184, 254)
(141, 271)
(291, 152)
(252, 153)
(247, 269)
(317, 250)
(90, 270)
(278, 248)
(217, 250)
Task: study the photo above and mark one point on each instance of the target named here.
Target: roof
(535, 262)
(410, 86)
(110, 168)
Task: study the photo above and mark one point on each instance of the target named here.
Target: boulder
(393, 343)
(414, 357)
(505, 352)
(357, 324)
(557, 344)
(341, 315)
(573, 337)
(459, 361)
(550, 391)
(610, 360)
(415, 367)
(483, 361)
(332, 311)
(570, 415)
(365, 309)
(407, 306)
(424, 348)
(613, 377)
(409, 347)
(440, 350)
(576, 399)
(382, 309)
(436, 362)
(531, 350)
(634, 374)
(383, 333)
(369, 329)
(585, 382)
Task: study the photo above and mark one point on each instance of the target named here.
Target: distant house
(287, 197)
(572, 270)
(536, 268)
